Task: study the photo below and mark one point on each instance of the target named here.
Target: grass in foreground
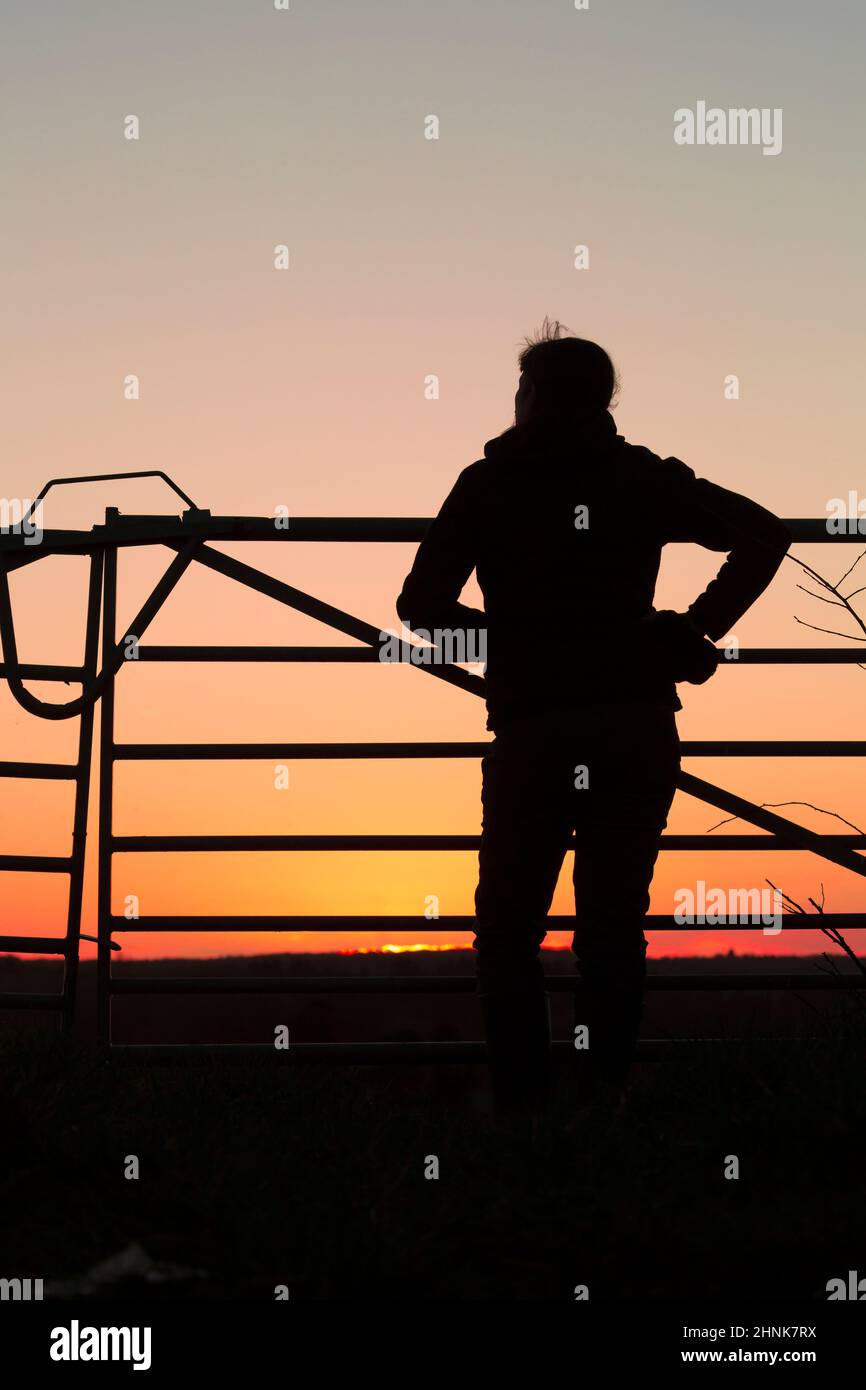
(258, 1174)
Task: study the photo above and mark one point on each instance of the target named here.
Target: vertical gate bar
(106, 786)
(82, 797)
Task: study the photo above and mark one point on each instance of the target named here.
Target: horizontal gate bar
(558, 922)
(128, 530)
(48, 772)
(31, 1001)
(182, 844)
(183, 752)
(34, 945)
(35, 863)
(179, 653)
(798, 656)
(459, 984)
(313, 1052)
(35, 672)
(690, 748)
(773, 748)
(746, 656)
(648, 1050)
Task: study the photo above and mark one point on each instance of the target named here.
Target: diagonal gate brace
(799, 837)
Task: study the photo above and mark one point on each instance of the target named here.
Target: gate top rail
(152, 529)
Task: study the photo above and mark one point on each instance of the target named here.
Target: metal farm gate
(187, 538)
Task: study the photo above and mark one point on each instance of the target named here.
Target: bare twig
(850, 569)
(838, 598)
(832, 933)
(831, 631)
(837, 602)
(776, 804)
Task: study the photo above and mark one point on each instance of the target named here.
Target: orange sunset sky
(304, 388)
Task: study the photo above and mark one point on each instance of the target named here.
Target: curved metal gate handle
(111, 662)
(104, 478)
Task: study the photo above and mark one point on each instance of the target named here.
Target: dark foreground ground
(313, 1176)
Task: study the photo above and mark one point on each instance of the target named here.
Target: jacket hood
(553, 436)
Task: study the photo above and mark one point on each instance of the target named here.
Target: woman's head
(563, 377)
